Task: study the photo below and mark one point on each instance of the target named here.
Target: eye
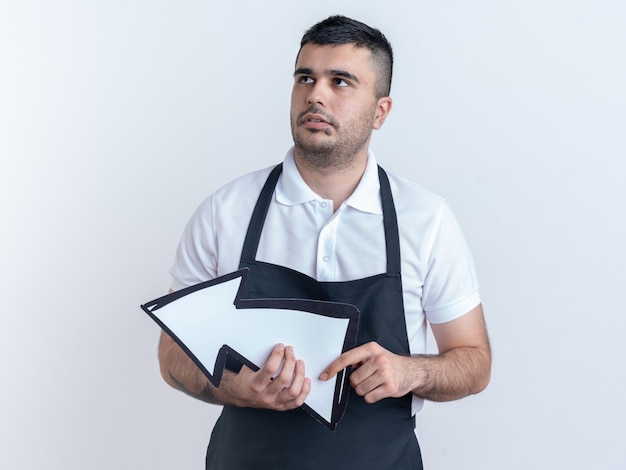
(340, 82)
(305, 80)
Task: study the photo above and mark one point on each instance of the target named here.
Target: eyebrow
(333, 72)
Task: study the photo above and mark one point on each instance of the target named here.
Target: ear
(383, 108)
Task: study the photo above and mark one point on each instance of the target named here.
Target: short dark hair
(342, 30)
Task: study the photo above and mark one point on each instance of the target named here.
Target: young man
(329, 224)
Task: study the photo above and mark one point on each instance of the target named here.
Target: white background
(118, 117)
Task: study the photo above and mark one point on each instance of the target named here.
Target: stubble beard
(328, 154)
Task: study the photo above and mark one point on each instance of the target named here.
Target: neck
(332, 183)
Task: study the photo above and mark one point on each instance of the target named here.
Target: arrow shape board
(210, 322)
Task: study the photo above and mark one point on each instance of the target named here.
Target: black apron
(369, 436)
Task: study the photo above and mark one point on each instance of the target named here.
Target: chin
(314, 147)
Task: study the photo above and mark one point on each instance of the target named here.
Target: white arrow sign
(210, 321)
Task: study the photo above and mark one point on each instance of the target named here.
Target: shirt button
(324, 205)
(325, 259)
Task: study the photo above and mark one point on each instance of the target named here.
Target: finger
(375, 395)
(304, 393)
(285, 376)
(300, 399)
(366, 385)
(365, 370)
(271, 366)
(293, 391)
(377, 387)
(375, 382)
(295, 400)
(349, 358)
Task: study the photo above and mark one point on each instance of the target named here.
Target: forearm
(280, 384)
(452, 375)
(179, 371)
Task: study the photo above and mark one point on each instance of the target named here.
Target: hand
(270, 388)
(377, 373)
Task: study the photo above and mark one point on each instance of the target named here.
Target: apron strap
(390, 221)
(253, 236)
(392, 237)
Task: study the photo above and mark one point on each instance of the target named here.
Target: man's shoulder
(244, 187)
(234, 199)
(410, 196)
(252, 181)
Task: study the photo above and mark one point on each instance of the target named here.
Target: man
(329, 224)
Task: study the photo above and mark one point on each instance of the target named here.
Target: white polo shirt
(301, 232)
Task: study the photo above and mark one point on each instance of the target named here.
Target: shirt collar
(291, 189)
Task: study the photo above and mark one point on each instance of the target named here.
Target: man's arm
(179, 371)
(265, 388)
(462, 367)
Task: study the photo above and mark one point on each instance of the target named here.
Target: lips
(315, 120)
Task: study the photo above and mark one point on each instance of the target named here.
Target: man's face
(333, 104)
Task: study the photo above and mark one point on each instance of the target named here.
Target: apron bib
(369, 436)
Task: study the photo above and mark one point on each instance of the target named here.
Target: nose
(317, 94)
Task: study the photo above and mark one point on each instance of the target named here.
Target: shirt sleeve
(195, 259)
(451, 285)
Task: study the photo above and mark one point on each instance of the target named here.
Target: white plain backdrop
(118, 117)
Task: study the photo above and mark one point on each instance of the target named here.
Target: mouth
(315, 121)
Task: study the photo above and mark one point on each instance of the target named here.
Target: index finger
(273, 363)
(349, 358)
